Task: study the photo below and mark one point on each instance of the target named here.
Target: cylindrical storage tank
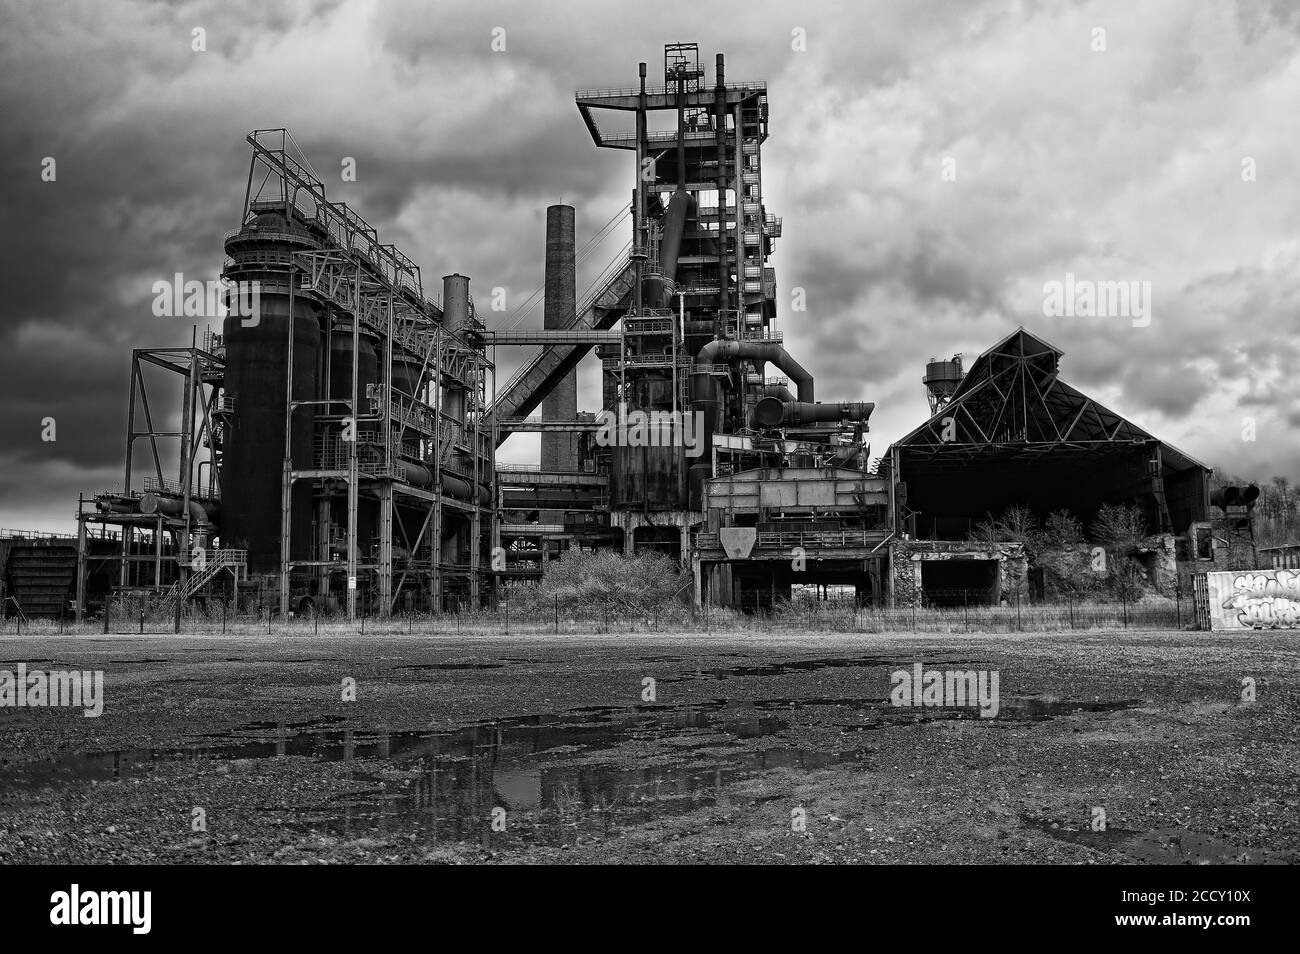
(942, 377)
(406, 373)
(341, 363)
(455, 301)
(257, 365)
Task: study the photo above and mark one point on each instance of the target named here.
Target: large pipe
(680, 207)
(1226, 497)
(724, 350)
(560, 451)
(201, 512)
(660, 288)
(705, 398)
(417, 475)
(773, 412)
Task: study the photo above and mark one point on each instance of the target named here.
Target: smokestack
(455, 316)
(560, 451)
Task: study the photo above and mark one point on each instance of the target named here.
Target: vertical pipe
(476, 515)
(352, 451)
(386, 488)
(126, 481)
(638, 225)
(435, 575)
(80, 608)
(286, 478)
(720, 138)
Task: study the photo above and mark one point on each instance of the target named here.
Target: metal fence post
(557, 613)
(108, 610)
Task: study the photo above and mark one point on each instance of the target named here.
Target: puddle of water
(1164, 846)
(555, 802)
(554, 774)
(540, 768)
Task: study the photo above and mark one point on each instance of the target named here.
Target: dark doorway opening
(959, 582)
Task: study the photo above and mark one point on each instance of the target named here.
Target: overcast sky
(1128, 163)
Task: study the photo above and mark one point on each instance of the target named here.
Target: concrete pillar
(560, 451)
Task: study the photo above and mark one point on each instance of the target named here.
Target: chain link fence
(134, 615)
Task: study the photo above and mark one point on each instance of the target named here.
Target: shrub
(587, 581)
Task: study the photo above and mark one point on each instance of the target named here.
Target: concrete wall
(906, 558)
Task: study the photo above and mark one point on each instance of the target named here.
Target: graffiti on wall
(1254, 599)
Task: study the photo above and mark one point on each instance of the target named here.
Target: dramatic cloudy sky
(1122, 164)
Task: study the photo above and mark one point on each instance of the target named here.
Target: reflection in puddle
(538, 768)
(583, 771)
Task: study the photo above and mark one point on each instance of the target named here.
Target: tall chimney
(560, 451)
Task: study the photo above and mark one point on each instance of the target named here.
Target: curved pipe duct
(725, 350)
(705, 398)
(658, 288)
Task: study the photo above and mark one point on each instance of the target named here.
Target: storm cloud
(935, 165)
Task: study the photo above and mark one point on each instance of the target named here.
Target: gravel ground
(746, 748)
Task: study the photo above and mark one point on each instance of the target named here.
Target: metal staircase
(205, 570)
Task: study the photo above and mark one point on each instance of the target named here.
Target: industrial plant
(337, 444)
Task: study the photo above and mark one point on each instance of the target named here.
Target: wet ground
(1104, 748)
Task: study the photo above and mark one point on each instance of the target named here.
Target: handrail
(660, 90)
